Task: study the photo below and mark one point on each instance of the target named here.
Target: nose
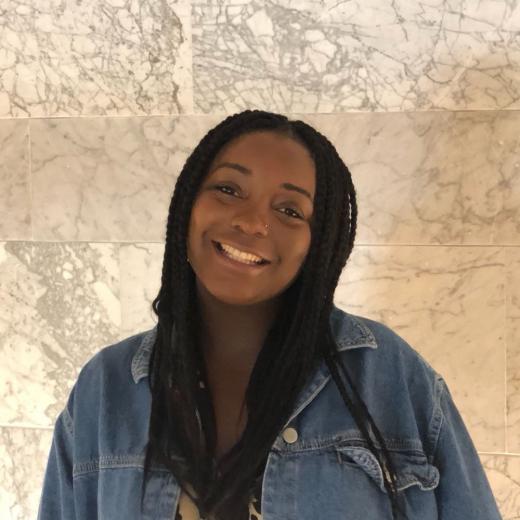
(251, 223)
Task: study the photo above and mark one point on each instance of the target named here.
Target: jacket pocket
(412, 468)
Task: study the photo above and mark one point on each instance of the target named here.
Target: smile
(239, 257)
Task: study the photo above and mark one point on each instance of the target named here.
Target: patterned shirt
(187, 510)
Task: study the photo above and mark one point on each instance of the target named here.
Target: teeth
(240, 255)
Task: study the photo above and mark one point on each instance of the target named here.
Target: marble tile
(15, 190)
(108, 179)
(60, 305)
(441, 178)
(513, 349)
(339, 56)
(448, 304)
(95, 58)
(141, 270)
(23, 459)
(503, 472)
(431, 178)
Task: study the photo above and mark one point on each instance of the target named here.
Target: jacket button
(290, 435)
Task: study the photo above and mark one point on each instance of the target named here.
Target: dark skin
(238, 302)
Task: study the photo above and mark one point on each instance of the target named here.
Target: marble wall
(101, 102)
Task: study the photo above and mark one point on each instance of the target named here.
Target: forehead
(270, 151)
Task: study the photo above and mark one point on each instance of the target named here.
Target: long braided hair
(181, 434)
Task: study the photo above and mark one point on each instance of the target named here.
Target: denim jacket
(319, 467)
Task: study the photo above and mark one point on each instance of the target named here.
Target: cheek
(195, 225)
(204, 220)
(307, 244)
(204, 211)
(303, 254)
(200, 215)
(299, 248)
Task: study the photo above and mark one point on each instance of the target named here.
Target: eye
(294, 215)
(223, 187)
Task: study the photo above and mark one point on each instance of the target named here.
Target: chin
(225, 293)
(233, 298)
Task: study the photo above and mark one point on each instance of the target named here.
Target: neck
(233, 335)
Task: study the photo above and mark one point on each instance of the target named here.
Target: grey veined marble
(23, 457)
(420, 178)
(15, 196)
(59, 303)
(369, 55)
(432, 177)
(112, 57)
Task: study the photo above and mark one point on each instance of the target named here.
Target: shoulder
(108, 374)
(393, 350)
(113, 360)
(396, 382)
(106, 395)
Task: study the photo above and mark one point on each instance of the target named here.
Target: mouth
(242, 262)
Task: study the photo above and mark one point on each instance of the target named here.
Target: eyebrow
(247, 171)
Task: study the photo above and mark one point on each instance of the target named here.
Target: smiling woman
(255, 397)
(265, 211)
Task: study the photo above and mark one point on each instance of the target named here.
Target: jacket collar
(349, 332)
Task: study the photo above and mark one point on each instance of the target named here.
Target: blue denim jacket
(319, 467)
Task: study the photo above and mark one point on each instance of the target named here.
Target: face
(257, 179)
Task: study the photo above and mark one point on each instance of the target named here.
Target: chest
(227, 395)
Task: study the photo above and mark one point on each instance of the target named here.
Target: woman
(255, 397)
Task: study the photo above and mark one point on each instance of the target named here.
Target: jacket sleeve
(463, 490)
(57, 498)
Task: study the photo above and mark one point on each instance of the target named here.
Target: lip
(241, 248)
(229, 262)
